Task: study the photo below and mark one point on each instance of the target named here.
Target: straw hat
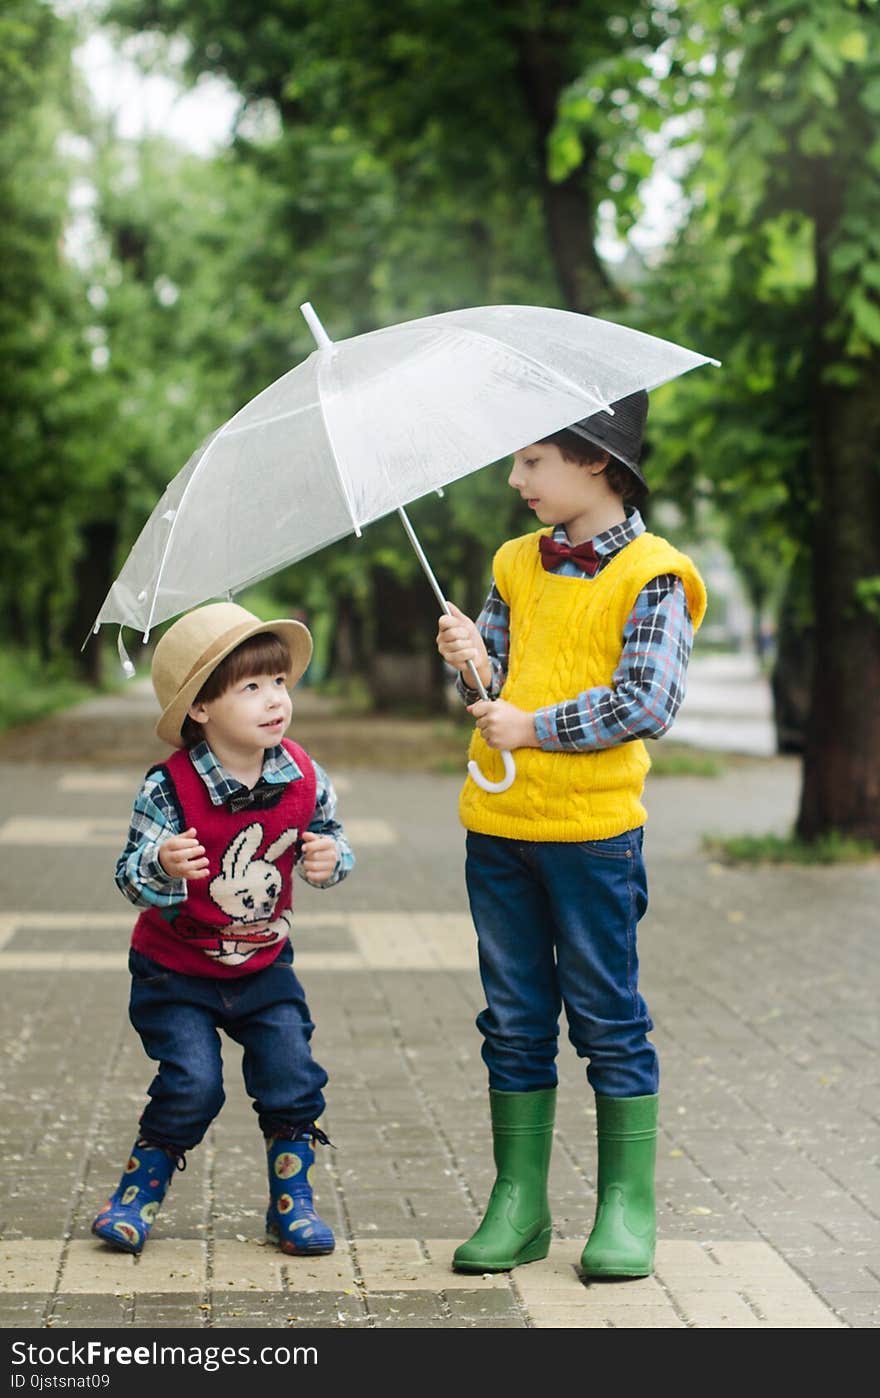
(194, 646)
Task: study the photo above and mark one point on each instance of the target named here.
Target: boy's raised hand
(318, 856)
(182, 857)
(459, 641)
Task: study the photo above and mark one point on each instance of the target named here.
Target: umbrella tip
(322, 339)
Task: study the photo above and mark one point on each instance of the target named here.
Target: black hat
(622, 434)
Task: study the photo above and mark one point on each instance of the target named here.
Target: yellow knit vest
(566, 635)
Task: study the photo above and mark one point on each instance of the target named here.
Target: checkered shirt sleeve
(139, 875)
(647, 687)
(324, 822)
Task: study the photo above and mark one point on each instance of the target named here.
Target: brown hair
(265, 654)
(618, 475)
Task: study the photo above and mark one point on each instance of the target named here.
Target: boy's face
(254, 713)
(558, 489)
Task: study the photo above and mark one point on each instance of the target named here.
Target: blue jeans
(178, 1018)
(556, 925)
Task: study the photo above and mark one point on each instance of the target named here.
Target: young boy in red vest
(582, 646)
(215, 833)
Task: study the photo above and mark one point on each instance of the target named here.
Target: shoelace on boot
(178, 1156)
(300, 1133)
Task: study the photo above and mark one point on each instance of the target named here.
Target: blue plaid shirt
(649, 682)
(140, 876)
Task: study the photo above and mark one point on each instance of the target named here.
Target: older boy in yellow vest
(583, 646)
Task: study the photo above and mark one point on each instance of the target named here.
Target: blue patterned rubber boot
(291, 1218)
(127, 1217)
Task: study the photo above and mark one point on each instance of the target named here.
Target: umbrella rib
(177, 510)
(530, 359)
(566, 379)
(228, 430)
(342, 483)
(208, 450)
(267, 421)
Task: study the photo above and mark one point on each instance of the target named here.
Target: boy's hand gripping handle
(506, 757)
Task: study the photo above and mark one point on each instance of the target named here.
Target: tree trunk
(791, 674)
(92, 579)
(569, 207)
(16, 621)
(841, 770)
(44, 616)
(348, 648)
(404, 673)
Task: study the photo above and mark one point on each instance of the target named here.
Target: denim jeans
(178, 1018)
(556, 926)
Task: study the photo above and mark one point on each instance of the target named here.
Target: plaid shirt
(140, 876)
(649, 683)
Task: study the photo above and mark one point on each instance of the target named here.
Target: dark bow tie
(553, 553)
(260, 797)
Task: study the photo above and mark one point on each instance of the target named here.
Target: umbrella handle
(506, 780)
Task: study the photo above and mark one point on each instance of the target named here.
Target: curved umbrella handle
(506, 780)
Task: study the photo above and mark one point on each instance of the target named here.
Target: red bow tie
(553, 553)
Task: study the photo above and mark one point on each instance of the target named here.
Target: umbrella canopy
(363, 427)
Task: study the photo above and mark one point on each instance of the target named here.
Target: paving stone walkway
(763, 986)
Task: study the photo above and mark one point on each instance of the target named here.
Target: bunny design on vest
(242, 914)
(247, 890)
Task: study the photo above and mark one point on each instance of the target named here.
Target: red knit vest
(236, 920)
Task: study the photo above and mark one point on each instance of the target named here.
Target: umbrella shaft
(429, 574)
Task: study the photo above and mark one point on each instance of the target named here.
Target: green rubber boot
(624, 1233)
(516, 1224)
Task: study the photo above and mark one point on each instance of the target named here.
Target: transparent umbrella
(363, 427)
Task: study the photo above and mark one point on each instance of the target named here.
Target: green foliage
(868, 596)
(395, 160)
(44, 400)
(407, 163)
(676, 760)
(832, 848)
(403, 177)
(406, 157)
(183, 291)
(776, 270)
(31, 689)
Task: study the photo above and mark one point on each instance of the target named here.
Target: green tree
(422, 167)
(190, 311)
(777, 273)
(458, 104)
(45, 402)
